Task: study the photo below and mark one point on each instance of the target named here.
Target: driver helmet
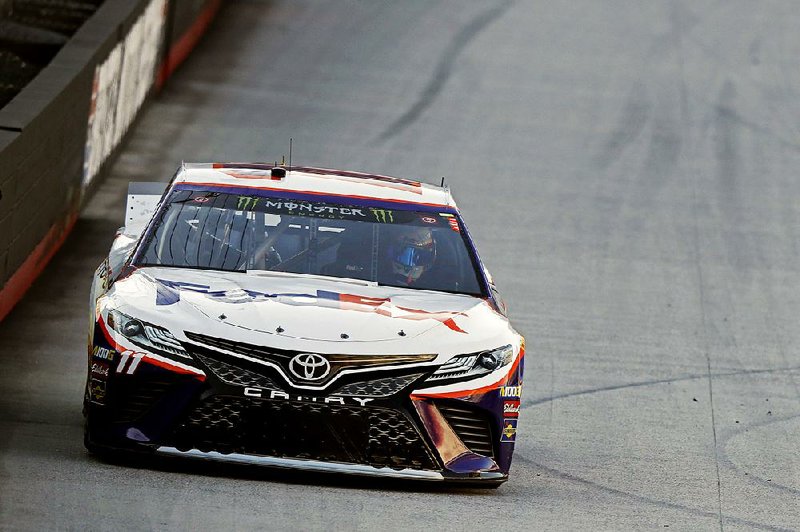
(412, 253)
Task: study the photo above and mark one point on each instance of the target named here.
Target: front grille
(242, 348)
(374, 436)
(292, 362)
(235, 375)
(470, 425)
(378, 387)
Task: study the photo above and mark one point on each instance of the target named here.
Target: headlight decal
(146, 335)
(472, 366)
(119, 342)
(514, 374)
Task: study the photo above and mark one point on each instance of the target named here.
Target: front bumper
(239, 413)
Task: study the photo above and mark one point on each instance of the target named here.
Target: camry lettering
(339, 400)
(361, 401)
(259, 393)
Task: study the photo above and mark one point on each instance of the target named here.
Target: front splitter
(303, 465)
(300, 464)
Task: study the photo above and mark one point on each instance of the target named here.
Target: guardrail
(59, 135)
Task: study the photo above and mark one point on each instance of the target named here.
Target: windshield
(232, 232)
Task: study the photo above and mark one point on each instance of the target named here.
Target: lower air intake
(137, 395)
(471, 426)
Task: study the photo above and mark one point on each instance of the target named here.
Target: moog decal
(511, 392)
(103, 354)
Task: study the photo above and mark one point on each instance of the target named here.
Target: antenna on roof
(442, 185)
(290, 153)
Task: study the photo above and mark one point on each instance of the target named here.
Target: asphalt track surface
(629, 170)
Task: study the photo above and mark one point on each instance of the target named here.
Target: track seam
(444, 68)
(676, 23)
(706, 349)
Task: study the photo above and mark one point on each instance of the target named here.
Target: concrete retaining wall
(59, 134)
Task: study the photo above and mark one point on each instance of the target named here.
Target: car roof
(305, 179)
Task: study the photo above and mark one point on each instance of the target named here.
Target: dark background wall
(43, 130)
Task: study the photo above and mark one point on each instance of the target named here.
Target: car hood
(306, 309)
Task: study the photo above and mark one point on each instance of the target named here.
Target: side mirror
(501, 304)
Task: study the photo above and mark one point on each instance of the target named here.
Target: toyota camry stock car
(302, 318)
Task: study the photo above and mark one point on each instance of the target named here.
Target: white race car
(302, 318)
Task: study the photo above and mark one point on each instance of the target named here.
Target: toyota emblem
(309, 366)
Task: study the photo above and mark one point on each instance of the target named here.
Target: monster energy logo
(382, 215)
(247, 203)
(303, 208)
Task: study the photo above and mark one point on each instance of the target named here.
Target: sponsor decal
(309, 366)
(202, 199)
(247, 203)
(100, 369)
(511, 408)
(97, 391)
(249, 174)
(102, 353)
(454, 225)
(512, 392)
(120, 86)
(261, 393)
(428, 220)
(383, 181)
(509, 433)
(379, 181)
(383, 216)
(129, 361)
(103, 272)
(168, 293)
(297, 207)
